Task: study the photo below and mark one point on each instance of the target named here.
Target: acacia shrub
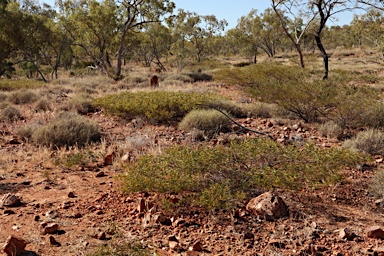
(221, 175)
(156, 106)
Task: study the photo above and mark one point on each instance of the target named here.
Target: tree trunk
(298, 49)
(324, 54)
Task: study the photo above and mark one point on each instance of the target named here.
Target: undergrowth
(157, 106)
(219, 176)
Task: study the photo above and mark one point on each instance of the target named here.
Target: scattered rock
(10, 200)
(268, 205)
(375, 232)
(173, 245)
(249, 236)
(50, 228)
(52, 241)
(8, 212)
(197, 247)
(71, 194)
(100, 174)
(346, 233)
(108, 160)
(14, 246)
(101, 236)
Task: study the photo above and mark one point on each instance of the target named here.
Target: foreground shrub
(157, 106)
(370, 141)
(42, 105)
(210, 121)
(68, 129)
(221, 175)
(10, 113)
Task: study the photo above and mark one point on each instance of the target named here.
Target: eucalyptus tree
(191, 29)
(292, 21)
(369, 29)
(91, 27)
(134, 14)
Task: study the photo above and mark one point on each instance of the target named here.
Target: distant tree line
(105, 35)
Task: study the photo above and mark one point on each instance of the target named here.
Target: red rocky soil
(90, 210)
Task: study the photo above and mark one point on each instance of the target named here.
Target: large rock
(10, 200)
(375, 232)
(268, 205)
(14, 246)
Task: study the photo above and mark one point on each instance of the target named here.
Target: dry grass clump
(10, 113)
(370, 141)
(81, 104)
(330, 129)
(22, 97)
(42, 105)
(3, 96)
(376, 185)
(261, 109)
(228, 106)
(208, 120)
(179, 77)
(68, 129)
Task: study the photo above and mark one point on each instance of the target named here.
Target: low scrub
(156, 106)
(370, 141)
(330, 129)
(219, 176)
(211, 122)
(376, 187)
(68, 129)
(13, 85)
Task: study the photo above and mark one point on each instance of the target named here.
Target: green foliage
(68, 129)
(22, 97)
(158, 106)
(210, 121)
(131, 249)
(370, 141)
(241, 168)
(12, 85)
(297, 91)
(10, 113)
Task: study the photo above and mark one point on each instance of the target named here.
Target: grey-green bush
(370, 141)
(68, 129)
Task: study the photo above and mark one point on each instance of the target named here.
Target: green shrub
(210, 121)
(68, 129)
(242, 168)
(12, 85)
(370, 141)
(157, 106)
(22, 97)
(300, 92)
(11, 113)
